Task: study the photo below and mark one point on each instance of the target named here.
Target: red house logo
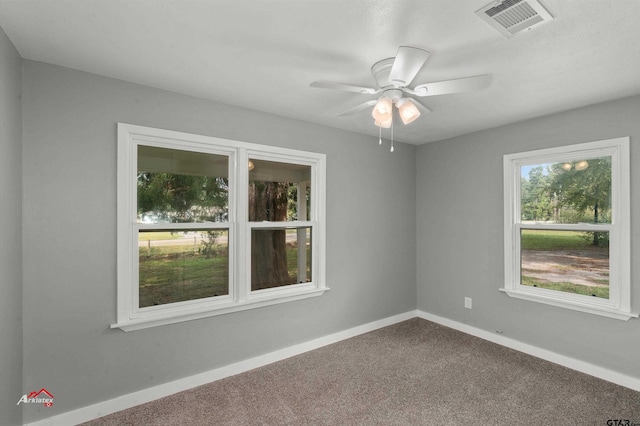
(43, 397)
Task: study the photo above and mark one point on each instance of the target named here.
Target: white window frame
(129, 315)
(618, 305)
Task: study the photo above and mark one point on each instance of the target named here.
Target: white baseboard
(565, 361)
(123, 402)
(147, 395)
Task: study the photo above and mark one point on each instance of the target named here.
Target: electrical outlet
(467, 302)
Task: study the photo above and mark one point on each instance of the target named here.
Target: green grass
(535, 239)
(292, 261)
(155, 236)
(155, 251)
(176, 274)
(602, 292)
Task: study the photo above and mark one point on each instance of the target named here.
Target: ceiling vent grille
(512, 16)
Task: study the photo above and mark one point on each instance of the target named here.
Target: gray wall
(70, 243)
(10, 233)
(451, 189)
(460, 236)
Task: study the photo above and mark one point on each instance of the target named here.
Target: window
(567, 227)
(279, 195)
(208, 226)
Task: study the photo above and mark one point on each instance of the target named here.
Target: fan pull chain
(392, 149)
(380, 136)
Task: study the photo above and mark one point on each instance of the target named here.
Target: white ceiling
(262, 54)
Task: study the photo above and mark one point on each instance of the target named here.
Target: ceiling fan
(393, 77)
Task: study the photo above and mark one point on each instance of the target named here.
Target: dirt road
(586, 267)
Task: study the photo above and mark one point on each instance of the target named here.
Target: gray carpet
(412, 373)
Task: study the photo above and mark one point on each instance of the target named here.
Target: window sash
(570, 297)
(138, 311)
(587, 151)
(315, 264)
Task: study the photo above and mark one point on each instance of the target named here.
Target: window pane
(180, 265)
(177, 186)
(280, 257)
(569, 261)
(278, 192)
(567, 192)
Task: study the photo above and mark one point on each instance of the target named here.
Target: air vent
(512, 16)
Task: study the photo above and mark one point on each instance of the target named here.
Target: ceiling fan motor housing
(381, 70)
(394, 94)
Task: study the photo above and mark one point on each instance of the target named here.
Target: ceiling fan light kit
(383, 110)
(393, 77)
(408, 110)
(383, 124)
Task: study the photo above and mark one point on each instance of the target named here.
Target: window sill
(205, 311)
(605, 311)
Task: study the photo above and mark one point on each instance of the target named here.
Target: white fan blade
(344, 87)
(359, 108)
(453, 86)
(407, 63)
